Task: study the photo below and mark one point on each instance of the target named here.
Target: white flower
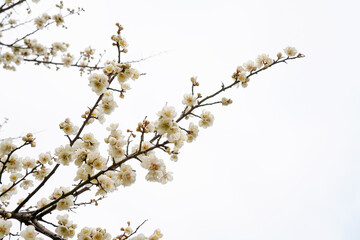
(58, 192)
(40, 49)
(158, 233)
(116, 142)
(250, 66)
(95, 160)
(42, 203)
(89, 51)
(64, 154)
(164, 125)
(180, 141)
(127, 175)
(154, 176)
(126, 74)
(290, 51)
(14, 163)
(18, 59)
(12, 21)
(113, 127)
(28, 163)
(89, 142)
(189, 100)
(42, 173)
(80, 156)
(106, 184)
(67, 60)
(6, 146)
(144, 146)
(26, 184)
(59, 19)
(116, 149)
(136, 74)
(15, 176)
(66, 229)
(156, 167)
(174, 157)
(8, 57)
(95, 234)
(84, 172)
(128, 230)
(207, 119)
(167, 112)
(115, 177)
(40, 22)
(123, 43)
(241, 76)
(166, 177)
(98, 83)
(240, 69)
(263, 59)
(125, 86)
(45, 158)
(60, 46)
(65, 203)
(225, 101)
(4, 228)
(174, 134)
(192, 132)
(139, 237)
(108, 104)
(108, 68)
(28, 233)
(11, 192)
(151, 162)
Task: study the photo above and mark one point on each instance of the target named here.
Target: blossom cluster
(66, 228)
(20, 170)
(93, 234)
(27, 49)
(263, 61)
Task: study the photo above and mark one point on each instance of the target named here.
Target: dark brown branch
(60, 63)
(42, 229)
(37, 188)
(78, 189)
(236, 82)
(2, 9)
(8, 158)
(137, 228)
(53, 207)
(20, 180)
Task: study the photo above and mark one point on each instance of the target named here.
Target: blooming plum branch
(165, 134)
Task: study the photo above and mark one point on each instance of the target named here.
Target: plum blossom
(192, 132)
(4, 228)
(66, 228)
(28, 233)
(64, 154)
(68, 127)
(65, 203)
(98, 83)
(189, 100)
(207, 119)
(290, 51)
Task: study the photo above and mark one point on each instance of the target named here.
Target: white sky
(281, 163)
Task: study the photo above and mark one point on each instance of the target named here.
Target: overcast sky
(281, 162)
